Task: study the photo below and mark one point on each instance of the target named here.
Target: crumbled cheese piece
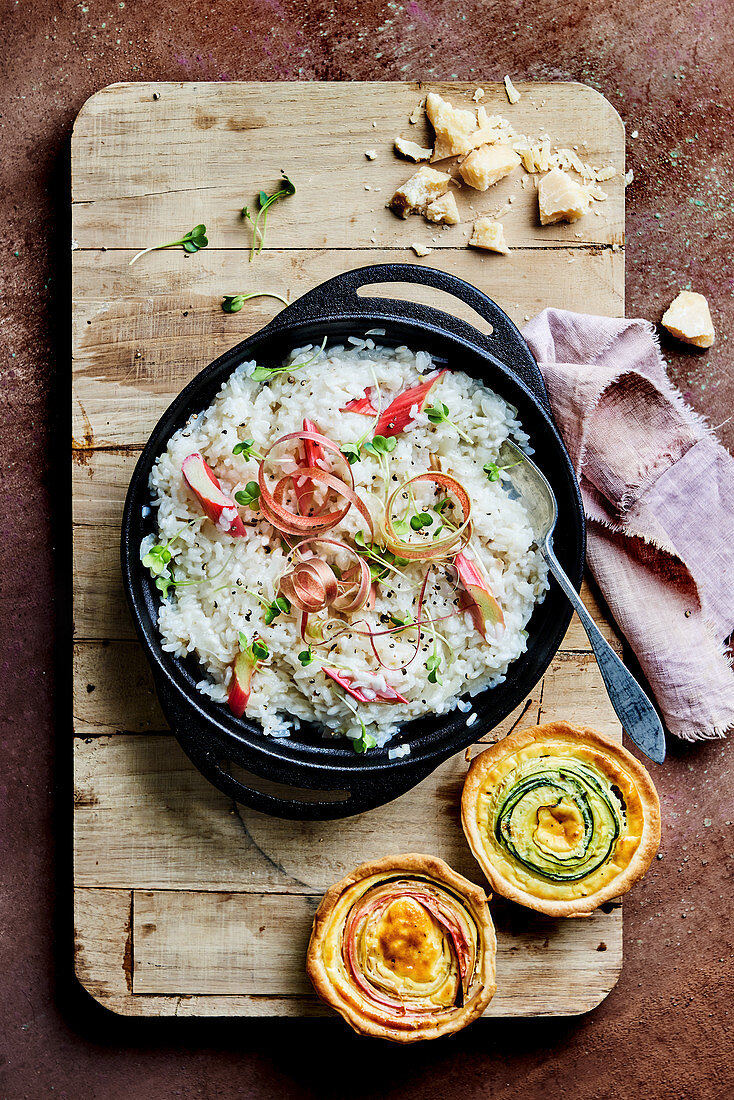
(478, 94)
(689, 319)
(490, 235)
(488, 164)
(635, 133)
(411, 149)
(453, 126)
(444, 210)
(595, 192)
(560, 198)
(421, 249)
(370, 154)
(512, 93)
(415, 115)
(426, 185)
(567, 158)
(629, 177)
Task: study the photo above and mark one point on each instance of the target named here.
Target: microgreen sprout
(492, 470)
(279, 606)
(353, 451)
(233, 303)
(264, 202)
(262, 374)
(247, 448)
(439, 414)
(421, 520)
(257, 650)
(249, 496)
(158, 558)
(306, 656)
(380, 445)
(401, 620)
(192, 241)
(381, 562)
(433, 664)
(365, 742)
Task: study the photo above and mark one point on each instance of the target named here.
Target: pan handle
(349, 793)
(504, 344)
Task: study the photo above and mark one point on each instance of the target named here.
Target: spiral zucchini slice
(560, 818)
(404, 948)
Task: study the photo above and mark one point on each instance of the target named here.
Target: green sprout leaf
(439, 414)
(433, 665)
(264, 202)
(492, 470)
(351, 452)
(257, 649)
(421, 520)
(157, 559)
(305, 656)
(192, 241)
(233, 303)
(279, 606)
(363, 743)
(249, 496)
(247, 449)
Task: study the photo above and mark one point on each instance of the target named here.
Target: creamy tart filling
(559, 814)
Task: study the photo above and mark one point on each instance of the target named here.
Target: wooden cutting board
(187, 904)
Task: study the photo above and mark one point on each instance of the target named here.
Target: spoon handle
(635, 711)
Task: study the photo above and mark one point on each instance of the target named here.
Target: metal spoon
(634, 710)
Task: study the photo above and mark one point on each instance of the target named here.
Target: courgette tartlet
(560, 818)
(404, 948)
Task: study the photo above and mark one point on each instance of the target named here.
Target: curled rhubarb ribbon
(312, 585)
(272, 503)
(429, 550)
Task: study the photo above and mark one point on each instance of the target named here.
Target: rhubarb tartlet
(404, 949)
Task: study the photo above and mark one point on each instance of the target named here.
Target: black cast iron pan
(331, 779)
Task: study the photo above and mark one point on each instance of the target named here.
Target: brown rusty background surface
(665, 1031)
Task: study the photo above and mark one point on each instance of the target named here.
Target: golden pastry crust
(627, 797)
(410, 945)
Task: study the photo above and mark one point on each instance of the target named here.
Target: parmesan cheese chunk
(490, 235)
(512, 93)
(411, 149)
(488, 164)
(560, 198)
(443, 210)
(454, 127)
(689, 319)
(426, 185)
(421, 249)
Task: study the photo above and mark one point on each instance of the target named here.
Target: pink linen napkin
(658, 493)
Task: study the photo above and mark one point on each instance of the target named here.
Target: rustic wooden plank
(140, 335)
(536, 957)
(216, 145)
(188, 942)
(194, 942)
(146, 818)
(113, 690)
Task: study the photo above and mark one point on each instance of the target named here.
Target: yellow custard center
(409, 940)
(560, 827)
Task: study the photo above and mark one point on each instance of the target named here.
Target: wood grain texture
(187, 904)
